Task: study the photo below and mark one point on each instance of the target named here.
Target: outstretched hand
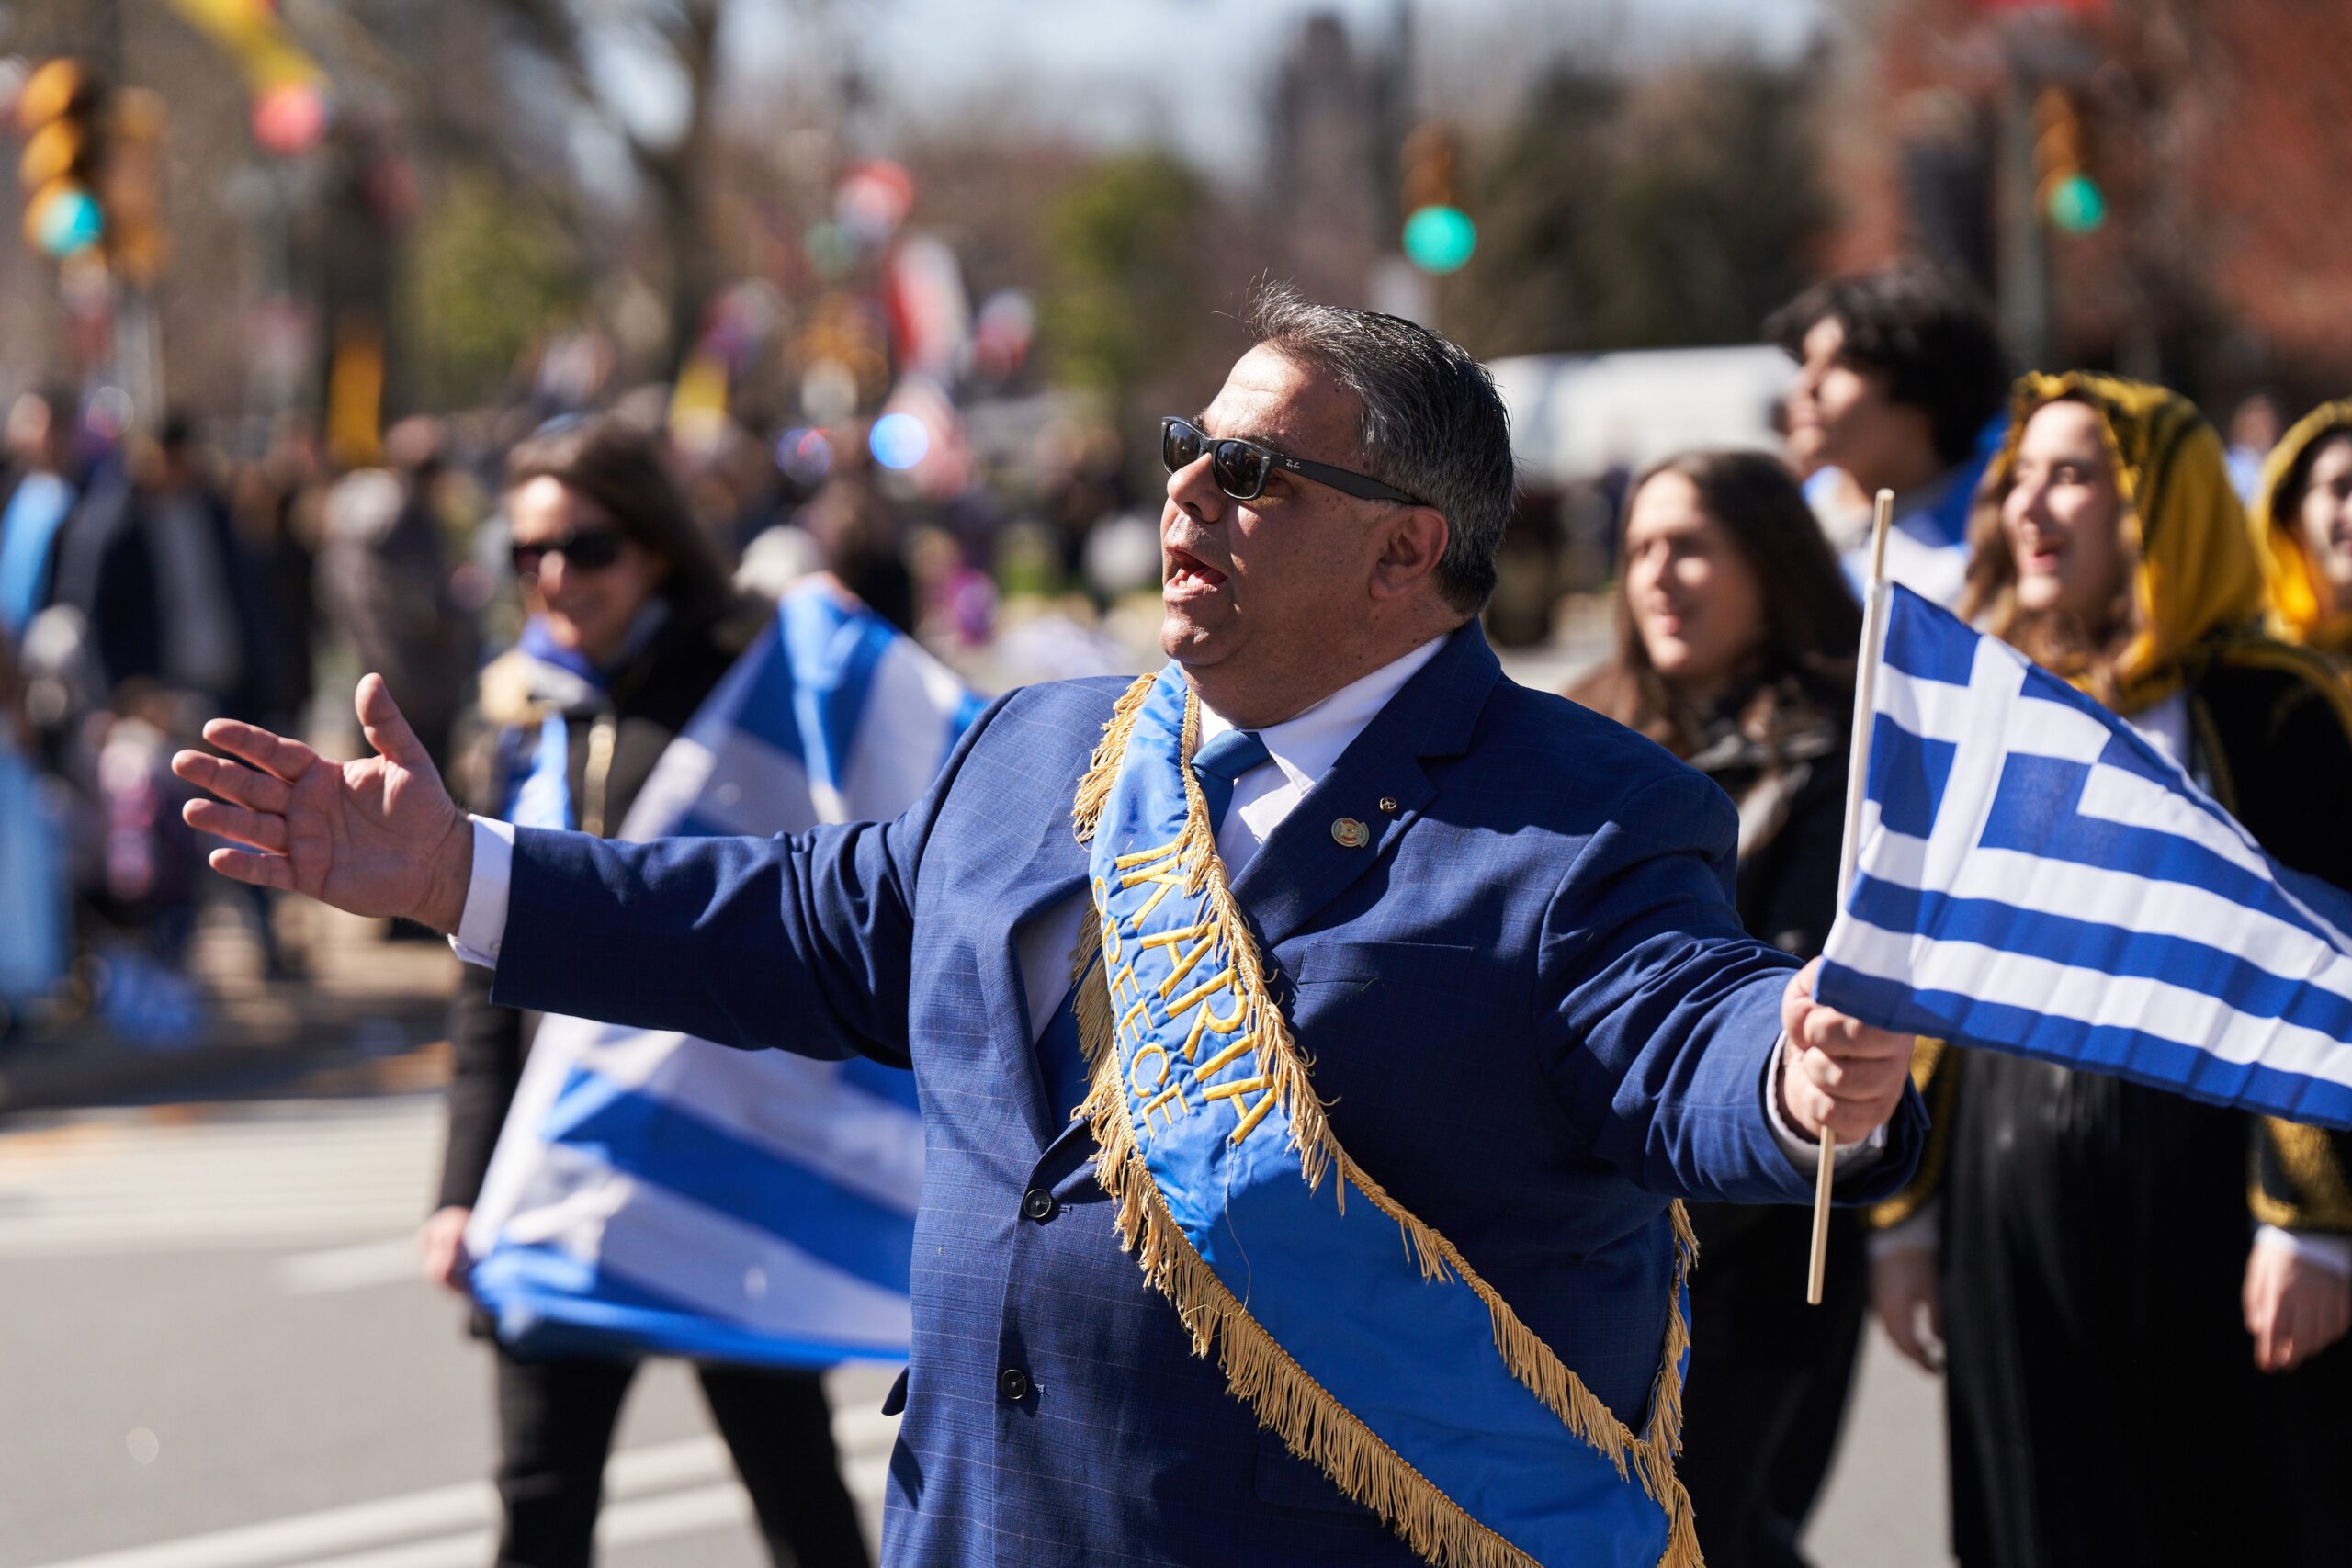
(376, 837)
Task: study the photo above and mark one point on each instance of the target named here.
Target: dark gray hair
(1432, 424)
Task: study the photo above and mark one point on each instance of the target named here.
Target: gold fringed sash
(1313, 1424)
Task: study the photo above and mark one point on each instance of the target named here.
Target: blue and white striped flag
(656, 1192)
(2034, 876)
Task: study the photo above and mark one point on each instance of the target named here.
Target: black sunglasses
(583, 549)
(1242, 468)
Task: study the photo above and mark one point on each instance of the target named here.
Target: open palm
(379, 836)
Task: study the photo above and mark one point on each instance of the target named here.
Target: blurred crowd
(2138, 1302)
(2080, 1255)
(151, 580)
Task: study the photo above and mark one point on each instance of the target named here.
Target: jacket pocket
(1434, 965)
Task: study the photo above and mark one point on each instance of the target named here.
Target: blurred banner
(252, 34)
(653, 1192)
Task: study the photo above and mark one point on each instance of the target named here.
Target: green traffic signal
(2077, 204)
(65, 220)
(1440, 239)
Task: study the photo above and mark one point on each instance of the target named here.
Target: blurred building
(2212, 136)
(1332, 171)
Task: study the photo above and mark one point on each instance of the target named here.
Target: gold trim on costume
(2306, 1157)
(1312, 1424)
(1935, 1073)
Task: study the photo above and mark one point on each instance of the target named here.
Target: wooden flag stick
(1858, 768)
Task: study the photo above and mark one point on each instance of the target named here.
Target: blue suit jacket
(1527, 998)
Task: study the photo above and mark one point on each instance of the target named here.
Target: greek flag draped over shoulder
(2034, 876)
(657, 1192)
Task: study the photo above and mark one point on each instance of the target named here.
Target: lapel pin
(1351, 834)
(1388, 805)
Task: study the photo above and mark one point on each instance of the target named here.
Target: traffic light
(61, 111)
(2063, 188)
(1439, 236)
(131, 187)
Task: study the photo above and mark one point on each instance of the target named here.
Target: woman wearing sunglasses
(632, 622)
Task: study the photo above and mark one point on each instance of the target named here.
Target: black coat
(106, 570)
(2095, 1236)
(644, 707)
(1789, 787)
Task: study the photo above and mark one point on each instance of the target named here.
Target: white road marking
(623, 1524)
(470, 1506)
(651, 1493)
(350, 1180)
(349, 1268)
(279, 1174)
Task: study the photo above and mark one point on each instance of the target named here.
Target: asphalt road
(214, 1353)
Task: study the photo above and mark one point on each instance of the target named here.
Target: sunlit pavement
(219, 1355)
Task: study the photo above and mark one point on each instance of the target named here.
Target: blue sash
(1383, 1359)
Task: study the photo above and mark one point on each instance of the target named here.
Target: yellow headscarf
(2198, 576)
(2299, 595)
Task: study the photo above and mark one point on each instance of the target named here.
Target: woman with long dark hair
(1735, 644)
(632, 622)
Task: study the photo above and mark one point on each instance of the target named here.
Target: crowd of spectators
(153, 578)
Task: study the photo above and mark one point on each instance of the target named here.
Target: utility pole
(135, 361)
(2024, 257)
(108, 47)
(2043, 50)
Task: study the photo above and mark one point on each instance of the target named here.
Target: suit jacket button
(1037, 1204)
(1014, 1384)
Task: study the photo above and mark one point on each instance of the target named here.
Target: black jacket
(614, 742)
(2274, 735)
(1791, 791)
(1784, 767)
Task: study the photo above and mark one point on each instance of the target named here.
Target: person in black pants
(632, 624)
(1736, 651)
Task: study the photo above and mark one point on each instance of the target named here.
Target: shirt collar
(1305, 745)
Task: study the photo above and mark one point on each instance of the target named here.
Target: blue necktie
(1219, 765)
(1220, 761)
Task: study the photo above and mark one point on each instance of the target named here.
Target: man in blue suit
(1499, 926)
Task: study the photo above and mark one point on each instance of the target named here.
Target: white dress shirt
(1301, 749)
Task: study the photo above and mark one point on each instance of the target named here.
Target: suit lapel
(1056, 872)
(1302, 866)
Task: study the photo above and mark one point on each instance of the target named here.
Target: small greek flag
(2034, 876)
(656, 1192)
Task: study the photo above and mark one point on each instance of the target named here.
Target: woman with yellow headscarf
(2302, 523)
(2083, 1243)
